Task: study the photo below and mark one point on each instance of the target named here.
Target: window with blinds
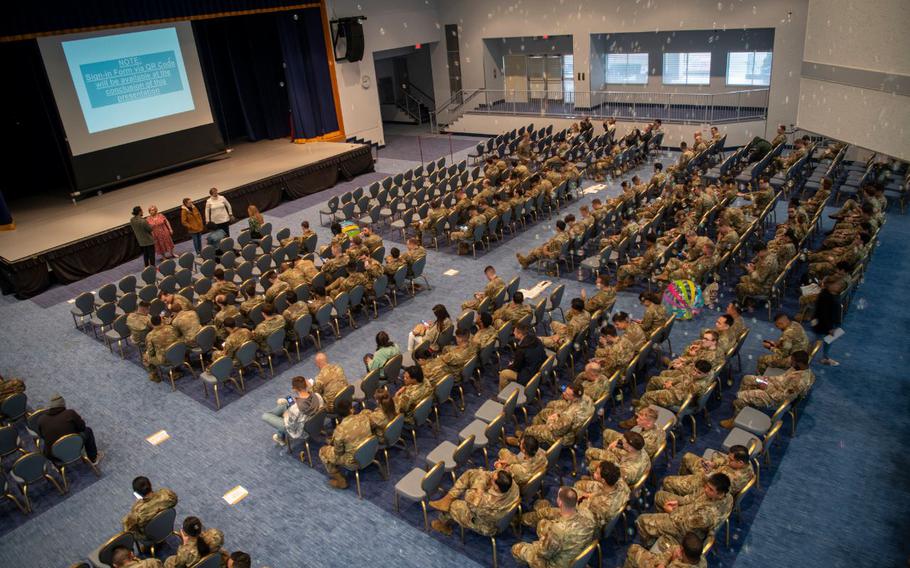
(687, 68)
(627, 68)
(749, 68)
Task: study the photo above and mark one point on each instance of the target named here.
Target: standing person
(827, 317)
(143, 232)
(218, 212)
(161, 233)
(59, 421)
(191, 220)
(255, 220)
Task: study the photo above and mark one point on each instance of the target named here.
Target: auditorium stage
(57, 240)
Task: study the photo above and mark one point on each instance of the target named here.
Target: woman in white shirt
(218, 211)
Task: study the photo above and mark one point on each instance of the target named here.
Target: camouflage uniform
(188, 555)
(139, 325)
(616, 356)
(10, 386)
(227, 312)
(791, 339)
(521, 467)
(576, 321)
(277, 287)
(265, 328)
(692, 476)
(635, 334)
(294, 277)
(510, 311)
(187, 323)
(145, 509)
(409, 396)
(393, 264)
(412, 256)
(330, 381)
(347, 284)
(777, 389)
(758, 282)
(696, 513)
(654, 317)
(339, 449)
(637, 267)
(292, 313)
(156, 344)
(483, 337)
(559, 541)
(601, 501)
(251, 304)
(640, 557)
(549, 250)
(602, 300)
(632, 463)
(559, 420)
(483, 506)
(219, 288)
(238, 337)
(492, 289)
(654, 438)
(450, 362)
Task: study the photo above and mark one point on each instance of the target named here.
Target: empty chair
(218, 373)
(119, 334)
(175, 357)
(83, 308)
(366, 387)
(244, 358)
(421, 416)
(485, 435)
(30, 469)
(13, 408)
(275, 342)
(451, 455)
(420, 485)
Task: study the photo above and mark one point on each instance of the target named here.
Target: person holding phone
(291, 412)
(148, 504)
(430, 331)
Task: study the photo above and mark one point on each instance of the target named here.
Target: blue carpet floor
(836, 495)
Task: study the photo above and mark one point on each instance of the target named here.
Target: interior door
(554, 77)
(537, 76)
(516, 81)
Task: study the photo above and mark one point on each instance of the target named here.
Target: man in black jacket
(59, 421)
(529, 356)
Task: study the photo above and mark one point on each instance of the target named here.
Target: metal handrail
(410, 100)
(427, 101)
(724, 106)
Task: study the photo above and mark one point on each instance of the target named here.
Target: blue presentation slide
(128, 78)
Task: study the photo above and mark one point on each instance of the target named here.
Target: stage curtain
(309, 82)
(242, 64)
(6, 218)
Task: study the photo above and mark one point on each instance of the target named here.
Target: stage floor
(46, 222)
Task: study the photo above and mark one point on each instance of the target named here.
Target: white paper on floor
(158, 437)
(450, 272)
(235, 495)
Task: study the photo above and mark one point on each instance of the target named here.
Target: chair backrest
(422, 410)
(9, 440)
(369, 383)
(14, 406)
(246, 354)
(30, 467)
(463, 452)
(275, 340)
(556, 296)
(355, 296)
(205, 338)
(108, 293)
(313, 425)
(365, 452)
(433, 477)
(494, 429)
(324, 314)
(446, 336)
(127, 284)
(31, 423)
(221, 368)
(553, 453)
(532, 487)
(302, 326)
(392, 368)
(347, 393)
(68, 448)
(106, 551)
(392, 431)
(504, 334)
(175, 354)
(508, 408)
(212, 560)
(161, 525)
(444, 389)
(584, 556)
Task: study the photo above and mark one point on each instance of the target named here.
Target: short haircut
(137, 210)
(503, 480)
(155, 319)
(463, 334)
(300, 384)
(268, 309)
(780, 315)
(395, 253)
(658, 166)
(578, 304)
(518, 297)
(720, 482)
(609, 330)
(578, 389)
(703, 365)
(649, 413)
(728, 319)
(635, 439)
(529, 444)
(120, 555)
(219, 273)
(415, 372)
(620, 317)
(739, 453)
(759, 246)
(523, 328)
(800, 359)
(142, 485)
(230, 323)
(239, 558)
(561, 225)
(609, 472)
(342, 407)
(568, 496)
(692, 546)
(489, 268)
(486, 319)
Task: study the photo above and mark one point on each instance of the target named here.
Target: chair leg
(217, 398)
(357, 477)
(493, 544)
(171, 375)
(66, 485)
